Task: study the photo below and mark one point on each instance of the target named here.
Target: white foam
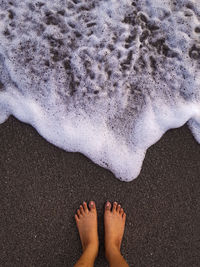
(104, 78)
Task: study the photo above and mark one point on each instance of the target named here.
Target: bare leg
(114, 230)
(86, 221)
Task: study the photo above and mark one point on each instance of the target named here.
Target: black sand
(41, 187)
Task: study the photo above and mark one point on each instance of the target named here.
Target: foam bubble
(104, 78)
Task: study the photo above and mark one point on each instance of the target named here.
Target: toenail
(92, 204)
(115, 203)
(108, 206)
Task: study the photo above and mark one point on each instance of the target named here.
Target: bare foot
(86, 221)
(114, 221)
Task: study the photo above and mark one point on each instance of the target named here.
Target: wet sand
(41, 186)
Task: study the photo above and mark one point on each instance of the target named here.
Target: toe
(85, 207)
(121, 211)
(124, 216)
(114, 206)
(76, 218)
(81, 210)
(108, 206)
(118, 208)
(79, 213)
(92, 206)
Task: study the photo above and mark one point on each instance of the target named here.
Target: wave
(105, 78)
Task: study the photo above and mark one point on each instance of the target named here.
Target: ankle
(112, 251)
(87, 258)
(91, 250)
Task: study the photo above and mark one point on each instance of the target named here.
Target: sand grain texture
(41, 187)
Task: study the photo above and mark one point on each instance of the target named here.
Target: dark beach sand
(41, 186)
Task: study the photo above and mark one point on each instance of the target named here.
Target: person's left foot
(86, 221)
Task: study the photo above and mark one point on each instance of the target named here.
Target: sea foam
(106, 78)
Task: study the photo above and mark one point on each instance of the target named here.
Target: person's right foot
(114, 223)
(86, 220)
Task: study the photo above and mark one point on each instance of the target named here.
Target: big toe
(107, 206)
(92, 206)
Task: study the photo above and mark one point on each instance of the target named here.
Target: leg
(114, 229)
(86, 221)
